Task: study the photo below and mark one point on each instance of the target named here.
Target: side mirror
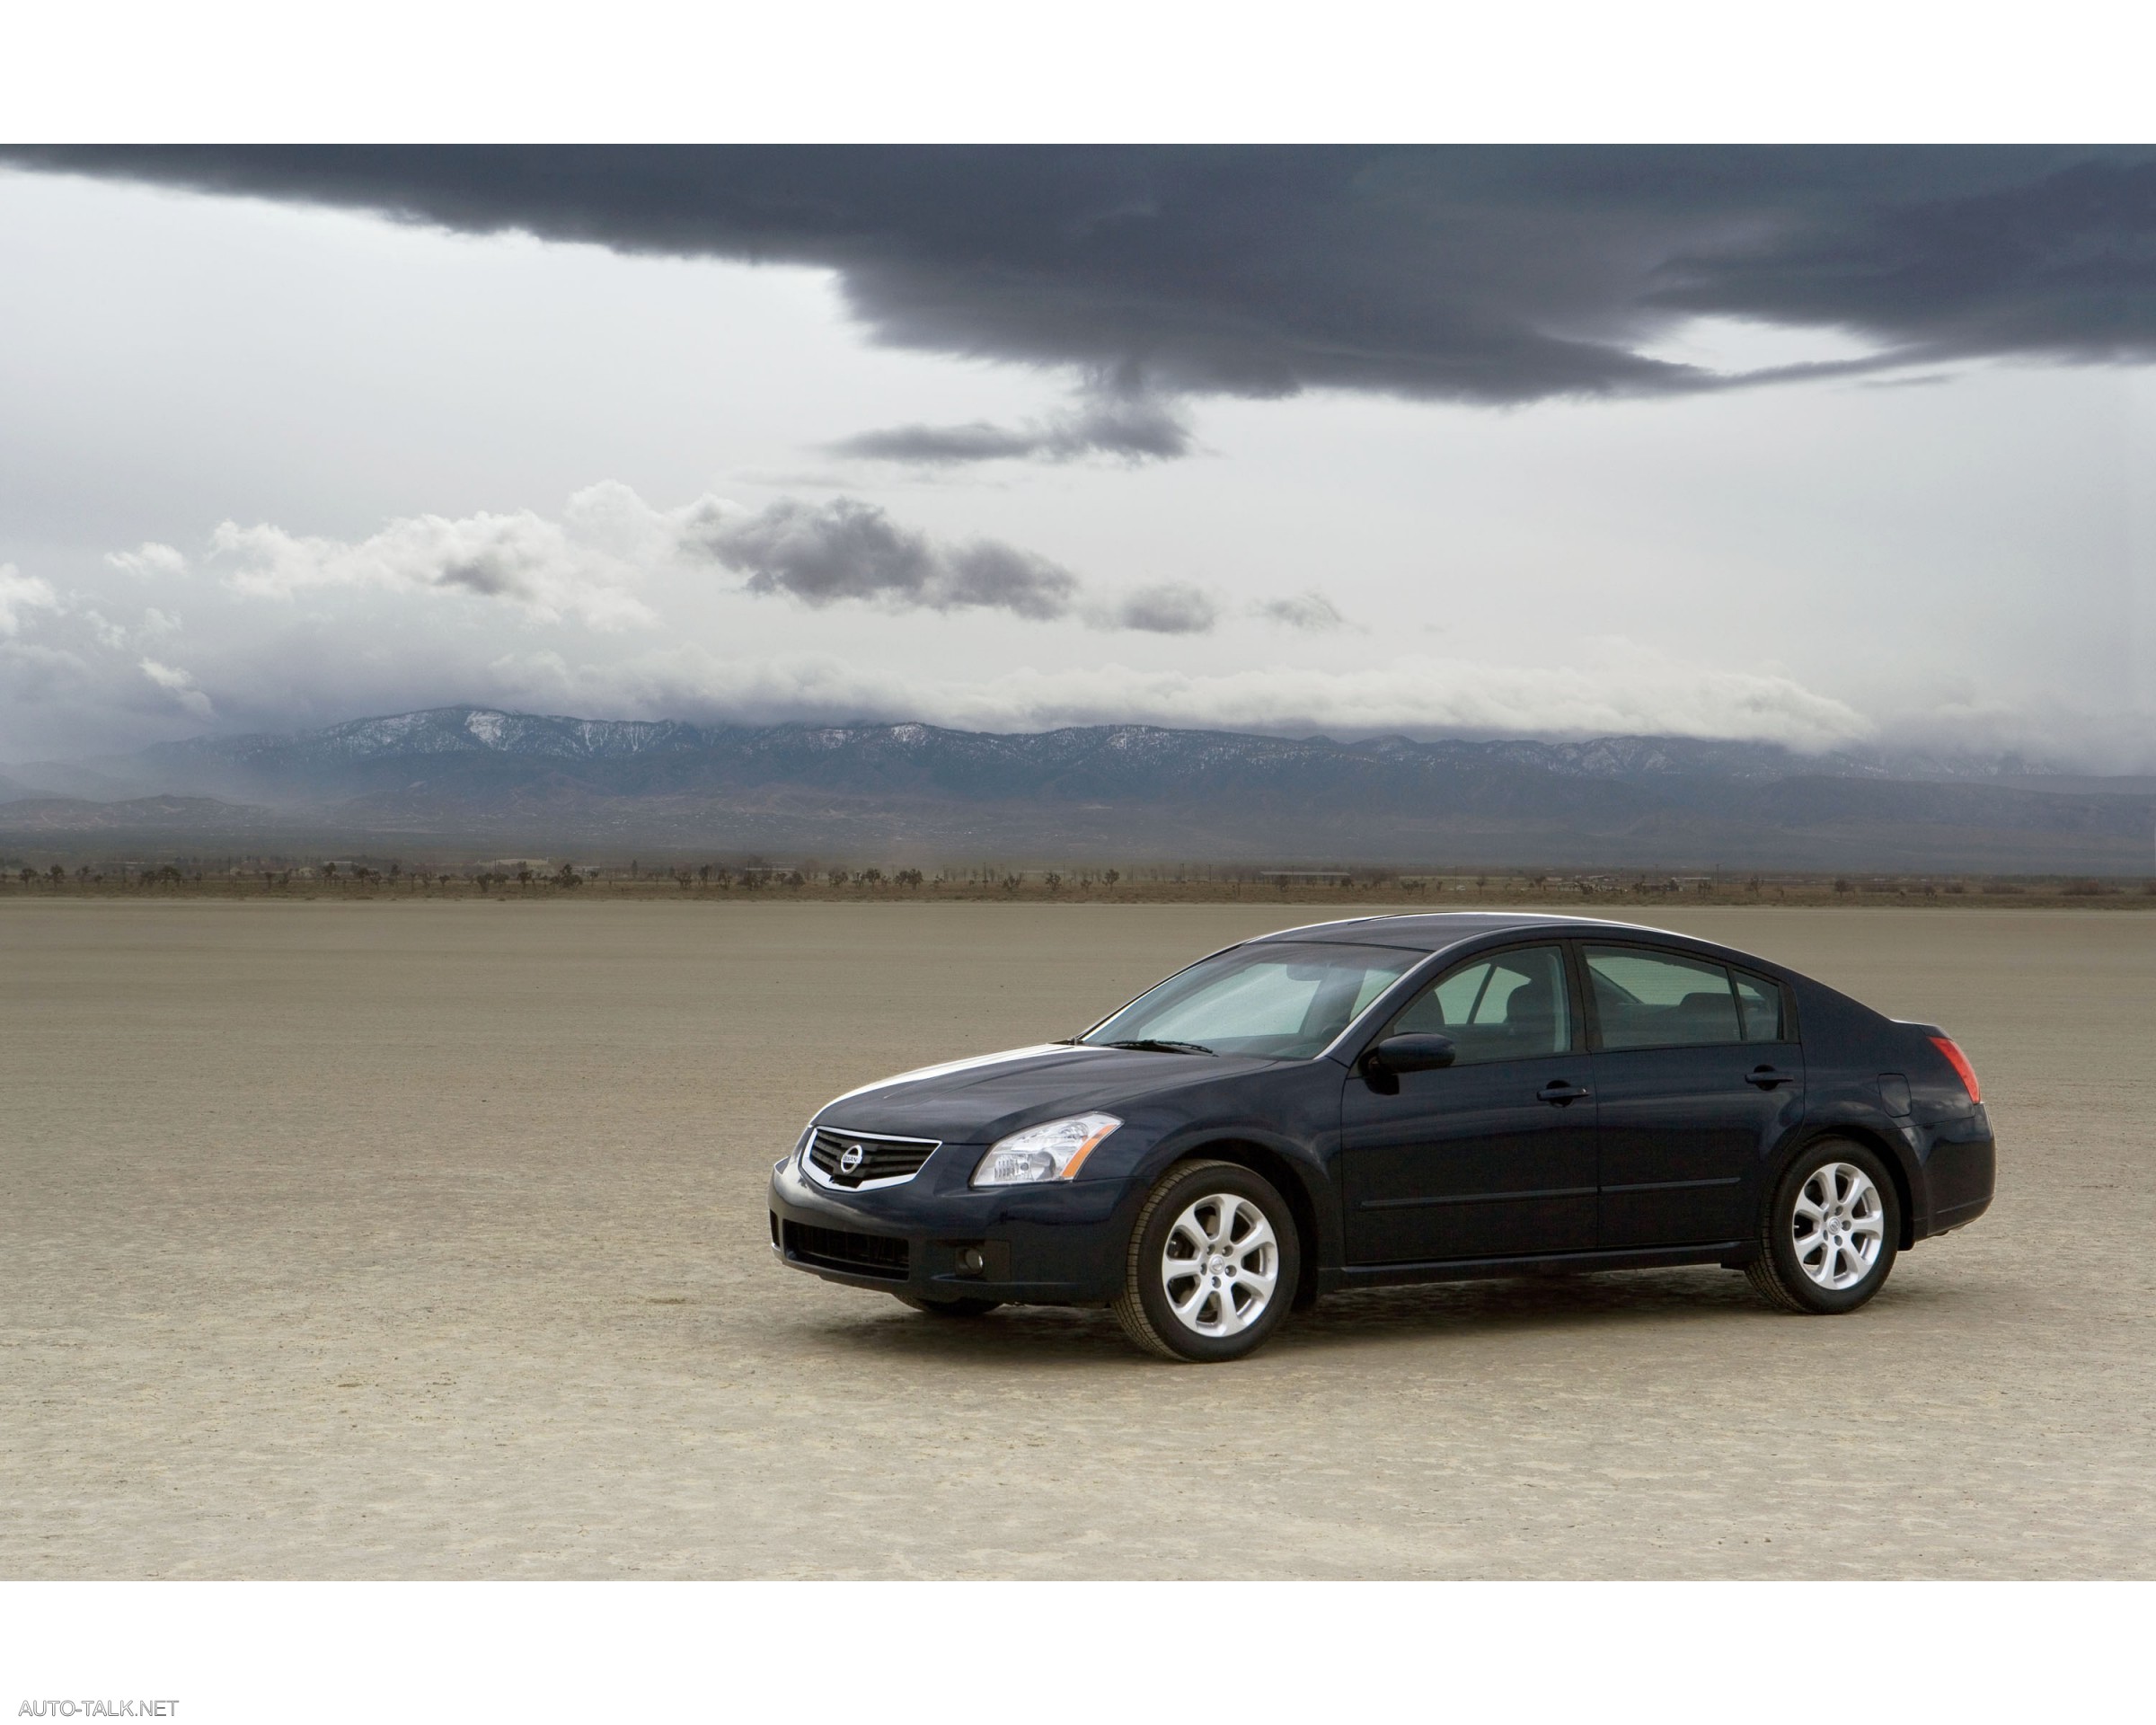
(1419, 1051)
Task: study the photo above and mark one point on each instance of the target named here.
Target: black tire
(1788, 1270)
(1144, 1308)
(964, 1306)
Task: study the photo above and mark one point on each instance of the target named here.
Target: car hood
(981, 1100)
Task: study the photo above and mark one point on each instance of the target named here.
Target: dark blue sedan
(1401, 1099)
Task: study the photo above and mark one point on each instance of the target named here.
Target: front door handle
(1560, 1093)
(1767, 1077)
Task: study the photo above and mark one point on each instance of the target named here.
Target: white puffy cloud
(148, 561)
(20, 594)
(181, 687)
(522, 560)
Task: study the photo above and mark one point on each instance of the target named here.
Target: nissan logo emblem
(854, 1157)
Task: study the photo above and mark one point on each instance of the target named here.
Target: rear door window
(1660, 999)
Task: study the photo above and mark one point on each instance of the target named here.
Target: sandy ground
(409, 1240)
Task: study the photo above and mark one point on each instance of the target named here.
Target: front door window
(1513, 1006)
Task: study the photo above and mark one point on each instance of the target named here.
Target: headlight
(1050, 1152)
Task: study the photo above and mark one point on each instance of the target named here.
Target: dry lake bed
(424, 1240)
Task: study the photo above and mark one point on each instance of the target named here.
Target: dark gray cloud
(1313, 612)
(1478, 274)
(1131, 430)
(846, 549)
(1166, 608)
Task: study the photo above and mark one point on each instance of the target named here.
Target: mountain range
(464, 777)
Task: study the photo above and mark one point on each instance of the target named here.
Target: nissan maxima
(1395, 1100)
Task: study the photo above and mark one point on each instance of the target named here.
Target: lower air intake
(863, 1255)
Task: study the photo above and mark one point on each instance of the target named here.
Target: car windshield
(1284, 1000)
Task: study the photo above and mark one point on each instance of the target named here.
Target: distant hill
(176, 815)
(473, 774)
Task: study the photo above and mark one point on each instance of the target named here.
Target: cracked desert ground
(428, 1239)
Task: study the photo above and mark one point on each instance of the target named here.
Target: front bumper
(1051, 1244)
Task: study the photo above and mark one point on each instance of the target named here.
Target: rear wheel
(1213, 1264)
(965, 1307)
(1831, 1233)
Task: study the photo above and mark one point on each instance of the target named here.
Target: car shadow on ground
(1022, 1335)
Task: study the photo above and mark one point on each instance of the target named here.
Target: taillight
(1960, 1063)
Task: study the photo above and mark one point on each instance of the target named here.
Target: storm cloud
(1491, 275)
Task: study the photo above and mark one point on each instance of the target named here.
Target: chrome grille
(882, 1161)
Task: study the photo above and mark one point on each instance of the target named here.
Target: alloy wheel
(1838, 1225)
(1220, 1265)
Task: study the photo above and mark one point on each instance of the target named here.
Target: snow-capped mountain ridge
(464, 729)
(1131, 789)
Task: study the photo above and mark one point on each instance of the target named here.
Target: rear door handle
(1559, 1092)
(1767, 1077)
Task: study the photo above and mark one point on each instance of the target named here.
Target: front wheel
(1830, 1232)
(1213, 1264)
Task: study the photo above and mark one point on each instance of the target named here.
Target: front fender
(1296, 1167)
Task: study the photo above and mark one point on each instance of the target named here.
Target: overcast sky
(1819, 447)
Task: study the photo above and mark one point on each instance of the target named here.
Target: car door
(1493, 1156)
(1696, 1074)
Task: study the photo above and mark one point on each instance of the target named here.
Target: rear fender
(1887, 1144)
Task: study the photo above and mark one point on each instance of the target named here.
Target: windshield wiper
(1156, 1045)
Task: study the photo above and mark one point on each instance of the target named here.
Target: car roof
(1433, 931)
